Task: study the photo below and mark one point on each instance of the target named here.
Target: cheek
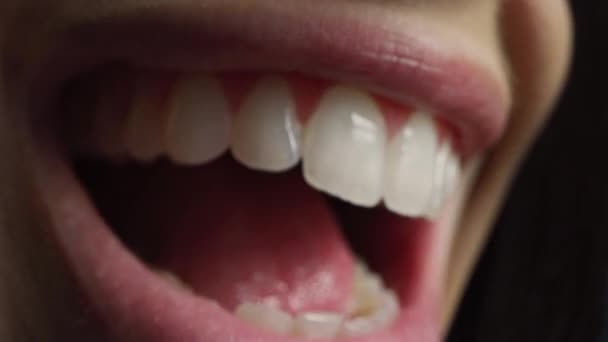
(537, 43)
(536, 37)
(35, 287)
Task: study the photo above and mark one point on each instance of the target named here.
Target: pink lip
(135, 302)
(416, 66)
(138, 305)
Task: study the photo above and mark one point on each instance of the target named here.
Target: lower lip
(137, 305)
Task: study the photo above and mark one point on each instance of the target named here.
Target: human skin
(523, 45)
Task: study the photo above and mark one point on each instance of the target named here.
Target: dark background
(544, 274)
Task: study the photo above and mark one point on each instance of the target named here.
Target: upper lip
(416, 66)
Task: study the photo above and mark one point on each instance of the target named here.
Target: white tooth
(410, 167)
(318, 325)
(171, 278)
(109, 122)
(266, 318)
(199, 125)
(452, 173)
(266, 131)
(145, 125)
(378, 320)
(368, 292)
(344, 147)
(439, 180)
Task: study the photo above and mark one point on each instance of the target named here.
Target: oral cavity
(371, 308)
(266, 245)
(349, 145)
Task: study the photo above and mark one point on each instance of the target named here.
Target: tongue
(238, 236)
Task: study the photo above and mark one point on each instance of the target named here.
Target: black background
(544, 273)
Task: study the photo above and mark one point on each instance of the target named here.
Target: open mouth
(260, 205)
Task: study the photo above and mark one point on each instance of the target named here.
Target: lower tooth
(386, 313)
(318, 325)
(171, 278)
(368, 292)
(266, 318)
(374, 308)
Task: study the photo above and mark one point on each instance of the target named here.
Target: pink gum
(307, 93)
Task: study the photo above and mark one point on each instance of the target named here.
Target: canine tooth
(368, 292)
(266, 317)
(318, 324)
(452, 173)
(199, 124)
(145, 124)
(266, 132)
(410, 166)
(344, 147)
(386, 313)
(439, 180)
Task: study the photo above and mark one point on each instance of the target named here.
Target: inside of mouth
(269, 246)
(240, 237)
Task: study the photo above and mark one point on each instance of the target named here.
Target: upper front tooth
(266, 132)
(410, 167)
(344, 147)
(199, 124)
(146, 123)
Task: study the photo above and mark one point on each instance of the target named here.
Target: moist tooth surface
(439, 179)
(198, 128)
(344, 147)
(266, 132)
(374, 308)
(410, 167)
(266, 317)
(318, 324)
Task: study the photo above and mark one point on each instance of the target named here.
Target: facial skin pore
(524, 44)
